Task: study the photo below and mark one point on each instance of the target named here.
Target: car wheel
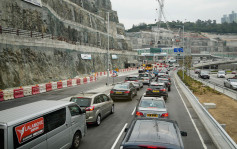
(135, 94)
(112, 110)
(169, 89)
(98, 120)
(165, 98)
(231, 87)
(76, 140)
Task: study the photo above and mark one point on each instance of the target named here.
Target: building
(230, 18)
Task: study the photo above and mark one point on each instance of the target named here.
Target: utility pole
(183, 51)
(108, 53)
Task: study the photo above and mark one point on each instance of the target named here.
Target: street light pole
(183, 52)
(108, 53)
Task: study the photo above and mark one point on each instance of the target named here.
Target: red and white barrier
(18, 93)
(42, 88)
(85, 80)
(78, 81)
(8, 94)
(64, 83)
(1, 96)
(74, 82)
(54, 85)
(35, 90)
(49, 87)
(59, 84)
(27, 91)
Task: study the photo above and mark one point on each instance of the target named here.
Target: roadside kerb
(219, 136)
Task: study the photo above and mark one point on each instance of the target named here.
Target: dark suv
(153, 133)
(157, 90)
(204, 75)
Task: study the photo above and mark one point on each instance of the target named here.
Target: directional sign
(178, 50)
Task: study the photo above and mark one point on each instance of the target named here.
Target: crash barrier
(42, 88)
(59, 85)
(8, 94)
(104, 73)
(69, 83)
(35, 90)
(100, 73)
(78, 81)
(85, 80)
(218, 135)
(27, 91)
(18, 93)
(220, 88)
(91, 79)
(1, 96)
(74, 82)
(48, 87)
(64, 83)
(54, 85)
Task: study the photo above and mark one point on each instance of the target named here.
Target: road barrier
(42, 88)
(48, 87)
(219, 136)
(35, 90)
(69, 83)
(78, 81)
(59, 85)
(85, 80)
(1, 96)
(8, 94)
(18, 93)
(64, 83)
(100, 73)
(91, 78)
(74, 82)
(54, 85)
(27, 91)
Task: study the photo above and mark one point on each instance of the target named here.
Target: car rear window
(143, 75)
(152, 104)
(1, 138)
(82, 102)
(121, 86)
(131, 78)
(156, 86)
(162, 80)
(233, 80)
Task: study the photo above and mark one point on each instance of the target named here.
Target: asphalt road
(106, 135)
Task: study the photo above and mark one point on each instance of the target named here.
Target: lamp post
(108, 53)
(183, 52)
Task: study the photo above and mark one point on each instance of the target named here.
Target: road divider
(27, 91)
(48, 87)
(1, 96)
(42, 88)
(18, 93)
(35, 90)
(59, 84)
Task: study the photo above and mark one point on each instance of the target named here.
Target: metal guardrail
(217, 133)
(220, 88)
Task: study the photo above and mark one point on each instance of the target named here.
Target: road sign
(178, 50)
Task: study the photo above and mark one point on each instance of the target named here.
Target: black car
(204, 75)
(166, 81)
(123, 91)
(146, 133)
(157, 90)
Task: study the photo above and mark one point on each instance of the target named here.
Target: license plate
(155, 91)
(118, 92)
(152, 115)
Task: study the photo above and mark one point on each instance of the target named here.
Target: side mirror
(184, 134)
(126, 130)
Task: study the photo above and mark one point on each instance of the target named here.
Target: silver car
(97, 106)
(152, 107)
(136, 81)
(231, 83)
(146, 78)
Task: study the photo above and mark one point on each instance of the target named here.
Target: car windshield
(233, 80)
(204, 73)
(82, 102)
(221, 72)
(131, 78)
(143, 75)
(152, 104)
(156, 86)
(121, 86)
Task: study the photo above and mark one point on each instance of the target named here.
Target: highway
(110, 133)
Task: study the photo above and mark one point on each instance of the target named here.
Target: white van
(42, 125)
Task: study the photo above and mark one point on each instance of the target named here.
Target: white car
(231, 83)
(221, 74)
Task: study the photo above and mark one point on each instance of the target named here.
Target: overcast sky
(144, 11)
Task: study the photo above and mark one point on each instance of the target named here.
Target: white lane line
(116, 141)
(201, 139)
(133, 111)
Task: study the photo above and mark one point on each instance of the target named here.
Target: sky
(144, 11)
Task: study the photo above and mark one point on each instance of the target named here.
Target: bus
(149, 67)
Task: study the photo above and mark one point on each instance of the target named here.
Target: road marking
(116, 141)
(133, 111)
(201, 139)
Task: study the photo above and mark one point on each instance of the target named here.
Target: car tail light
(139, 113)
(169, 83)
(149, 89)
(153, 147)
(125, 81)
(136, 80)
(91, 108)
(163, 90)
(165, 115)
(111, 92)
(126, 92)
